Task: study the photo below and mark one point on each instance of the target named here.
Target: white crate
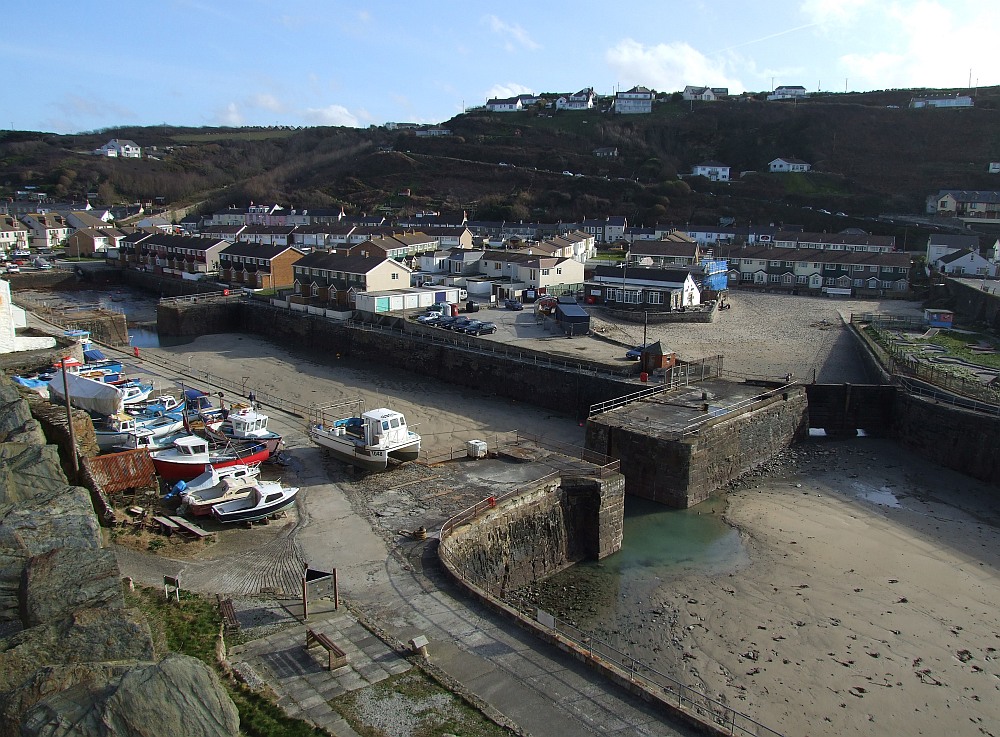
(476, 449)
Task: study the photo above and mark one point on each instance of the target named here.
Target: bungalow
(87, 219)
(337, 278)
(664, 254)
(511, 274)
(119, 147)
(47, 230)
(966, 262)
(705, 94)
(642, 288)
(636, 101)
(258, 266)
(605, 152)
(835, 242)
(713, 170)
(453, 262)
(230, 233)
(278, 235)
(582, 100)
(400, 246)
(789, 164)
(504, 104)
(955, 100)
(95, 242)
(816, 270)
(716, 235)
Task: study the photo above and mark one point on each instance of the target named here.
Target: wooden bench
(229, 621)
(166, 524)
(190, 527)
(338, 658)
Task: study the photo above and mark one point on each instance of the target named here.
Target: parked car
(429, 318)
(512, 304)
(445, 322)
(469, 327)
(567, 173)
(13, 268)
(459, 324)
(483, 328)
(824, 212)
(634, 354)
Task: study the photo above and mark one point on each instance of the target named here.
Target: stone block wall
(538, 533)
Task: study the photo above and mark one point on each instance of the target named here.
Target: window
(829, 281)
(859, 282)
(632, 297)
(545, 272)
(786, 278)
(857, 267)
(789, 265)
(655, 298)
(800, 280)
(559, 270)
(395, 276)
(774, 278)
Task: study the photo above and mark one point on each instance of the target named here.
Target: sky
(82, 66)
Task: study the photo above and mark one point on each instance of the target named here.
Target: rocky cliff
(73, 658)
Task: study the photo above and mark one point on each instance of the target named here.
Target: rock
(88, 635)
(177, 696)
(59, 581)
(60, 517)
(26, 470)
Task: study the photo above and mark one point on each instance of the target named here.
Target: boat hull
(171, 469)
(236, 512)
(350, 452)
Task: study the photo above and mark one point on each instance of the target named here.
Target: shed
(939, 318)
(573, 319)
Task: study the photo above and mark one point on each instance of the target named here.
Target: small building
(788, 164)
(582, 100)
(636, 101)
(993, 168)
(705, 94)
(119, 148)
(504, 104)
(642, 288)
(788, 92)
(573, 319)
(605, 151)
(939, 318)
(713, 170)
(955, 100)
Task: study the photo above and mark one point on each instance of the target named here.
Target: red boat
(190, 454)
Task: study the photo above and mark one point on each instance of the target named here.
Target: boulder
(11, 571)
(177, 696)
(88, 636)
(16, 422)
(57, 516)
(27, 469)
(58, 581)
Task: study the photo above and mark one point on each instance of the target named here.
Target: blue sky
(78, 66)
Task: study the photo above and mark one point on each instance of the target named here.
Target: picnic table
(190, 528)
(166, 524)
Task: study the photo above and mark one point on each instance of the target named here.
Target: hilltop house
(955, 100)
(636, 101)
(705, 94)
(788, 164)
(504, 104)
(258, 266)
(713, 170)
(582, 100)
(121, 148)
(788, 92)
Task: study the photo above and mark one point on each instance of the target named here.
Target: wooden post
(305, 598)
(69, 421)
(336, 591)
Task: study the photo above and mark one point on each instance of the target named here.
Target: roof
(790, 160)
(350, 263)
(663, 248)
(268, 230)
(894, 258)
(714, 164)
(645, 273)
(971, 195)
(182, 241)
(844, 239)
(953, 241)
(955, 256)
(254, 250)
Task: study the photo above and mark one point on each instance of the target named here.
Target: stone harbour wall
(538, 533)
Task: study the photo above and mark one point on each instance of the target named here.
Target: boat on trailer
(365, 439)
(265, 499)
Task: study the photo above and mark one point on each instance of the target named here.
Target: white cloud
(833, 12)
(667, 67)
(511, 89)
(331, 115)
(269, 102)
(230, 115)
(512, 34)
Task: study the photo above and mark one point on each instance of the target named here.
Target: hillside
(870, 154)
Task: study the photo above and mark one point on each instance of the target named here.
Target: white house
(635, 287)
(636, 101)
(940, 245)
(120, 147)
(504, 105)
(993, 168)
(705, 94)
(789, 164)
(788, 92)
(13, 317)
(712, 170)
(966, 262)
(582, 100)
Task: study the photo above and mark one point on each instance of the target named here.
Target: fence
(660, 686)
(223, 295)
(899, 361)
(682, 374)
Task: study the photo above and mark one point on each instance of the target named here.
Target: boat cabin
(191, 445)
(247, 423)
(384, 427)
(121, 423)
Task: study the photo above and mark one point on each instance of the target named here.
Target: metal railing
(602, 465)
(223, 295)
(660, 686)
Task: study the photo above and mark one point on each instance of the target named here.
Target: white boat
(265, 499)
(135, 393)
(367, 440)
(229, 488)
(117, 429)
(246, 422)
(189, 455)
(84, 393)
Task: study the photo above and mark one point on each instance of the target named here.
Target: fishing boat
(368, 439)
(230, 488)
(163, 404)
(135, 392)
(247, 423)
(265, 499)
(116, 429)
(190, 454)
(212, 477)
